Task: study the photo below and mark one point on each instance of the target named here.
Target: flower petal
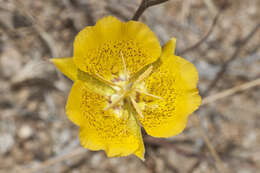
(66, 66)
(99, 49)
(175, 82)
(102, 130)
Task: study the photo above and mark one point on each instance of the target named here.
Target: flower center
(127, 90)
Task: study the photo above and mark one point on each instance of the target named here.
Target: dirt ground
(33, 124)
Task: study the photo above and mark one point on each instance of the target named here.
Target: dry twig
(144, 5)
(230, 92)
(219, 163)
(204, 38)
(55, 160)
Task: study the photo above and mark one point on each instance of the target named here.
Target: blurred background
(221, 37)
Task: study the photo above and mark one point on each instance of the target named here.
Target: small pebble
(25, 132)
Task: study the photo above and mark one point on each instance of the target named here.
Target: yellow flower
(123, 80)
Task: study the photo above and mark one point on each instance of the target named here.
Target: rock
(6, 143)
(10, 62)
(25, 132)
(7, 133)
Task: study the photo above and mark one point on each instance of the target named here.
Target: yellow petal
(175, 81)
(66, 66)
(187, 70)
(98, 49)
(99, 129)
(169, 48)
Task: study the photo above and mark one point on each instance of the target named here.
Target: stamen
(124, 64)
(148, 94)
(136, 106)
(107, 81)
